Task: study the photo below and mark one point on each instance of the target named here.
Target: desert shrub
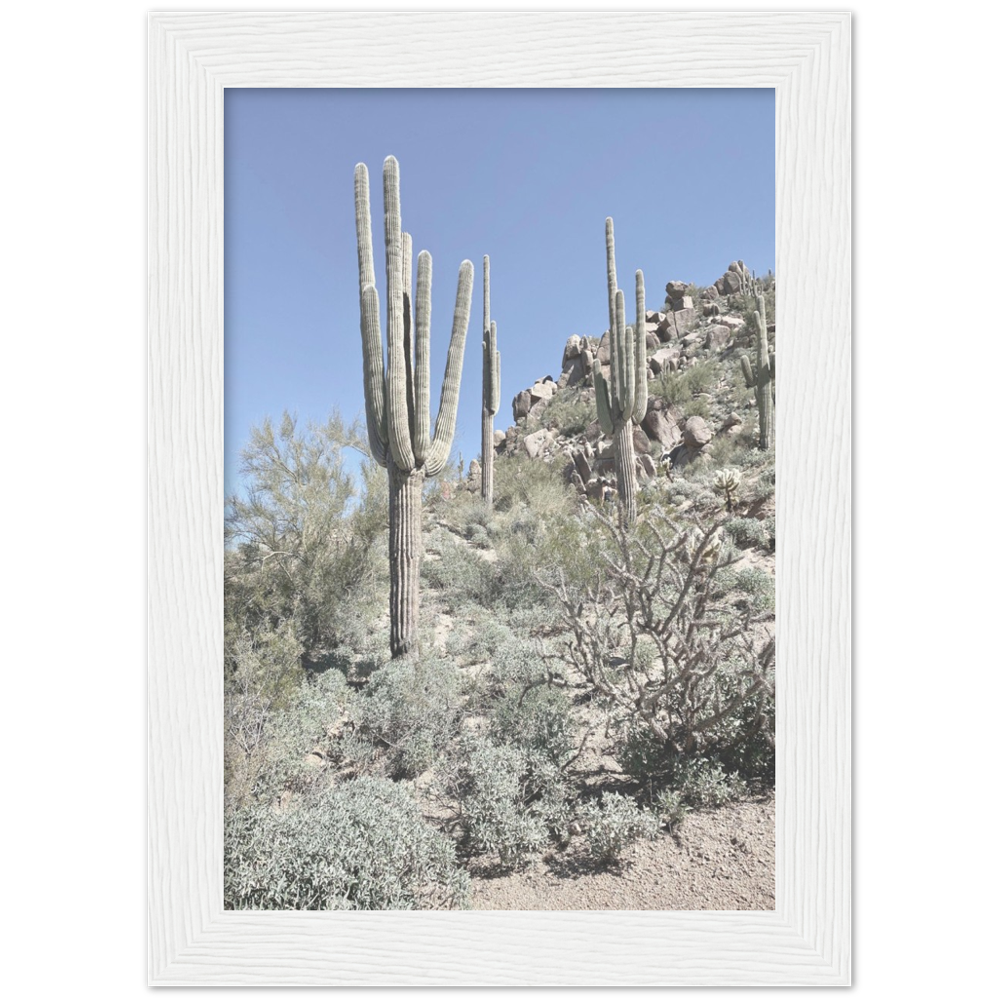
(567, 412)
(698, 406)
(657, 635)
(520, 481)
(513, 800)
(405, 716)
(460, 573)
(267, 739)
(747, 531)
(757, 585)
(703, 783)
(535, 719)
(361, 846)
(669, 807)
(674, 387)
(701, 377)
(614, 824)
(728, 450)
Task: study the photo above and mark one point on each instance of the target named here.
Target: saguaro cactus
(761, 380)
(491, 386)
(397, 396)
(621, 400)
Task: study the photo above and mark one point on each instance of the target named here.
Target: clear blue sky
(526, 176)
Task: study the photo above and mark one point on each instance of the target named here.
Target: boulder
(661, 425)
(696, 433)
(654, 318)
(711, 293)
(535, 443)
(659, 360)
(499, 437)
(522, 404)
(717, 337)
(572, 349)
(640, 441)
(646, 467)
(574, 371)
(675, 324)
(686, 302)
(730, 283)
(733, 422)
(604, 350)
(710, 309)
(543, 389)
(582, 465)
(675, 289)
(652, 342)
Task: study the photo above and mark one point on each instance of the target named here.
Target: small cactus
(727, 482)
(761, 380)
(622, 395)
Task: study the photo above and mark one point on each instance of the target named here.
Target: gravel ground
(715, 860)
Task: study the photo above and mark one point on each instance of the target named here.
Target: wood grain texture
(192, 58)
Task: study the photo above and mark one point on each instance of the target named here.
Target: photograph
(499, 575)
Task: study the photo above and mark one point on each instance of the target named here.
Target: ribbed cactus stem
(405, 550)
(397, 389)
(622, 395)
(625, 459)
(761, 380)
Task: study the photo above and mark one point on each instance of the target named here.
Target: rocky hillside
(699, 411)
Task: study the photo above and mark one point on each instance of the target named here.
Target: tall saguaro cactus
(621, 400)
(397, 395)
(491, 386)
(761, 380)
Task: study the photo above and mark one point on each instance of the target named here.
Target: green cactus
(397, 396)
(761, 380)
(621, 400)
(491, 386)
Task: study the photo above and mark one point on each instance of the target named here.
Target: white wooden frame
(192, 58)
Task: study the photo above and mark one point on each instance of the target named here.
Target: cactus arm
(609, 247)
(398, 410)
(363, 224)
(496, 378)
(408, 330)
(371, 334)
(747, 372)
(603, 400)
(422, 361)
(628, 403)
(371, 343)
(492, 397)
(444, 426)
(641, 386)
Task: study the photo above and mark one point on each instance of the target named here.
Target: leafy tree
(299, 536)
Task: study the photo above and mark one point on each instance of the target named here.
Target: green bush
(362, 846)
(614, 824)
(567, 413)
(536, 719)
(748, 531)
(513, 800)
(405, 717)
